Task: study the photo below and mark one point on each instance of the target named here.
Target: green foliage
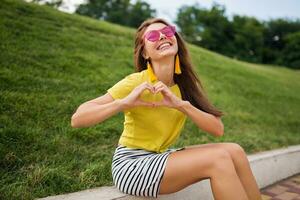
(248, 38)
(51, 3)
(243, 37)
(51, 62)
(292, 49)
(117, 11)
(202, 27)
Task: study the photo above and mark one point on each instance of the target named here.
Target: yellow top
(150, 128)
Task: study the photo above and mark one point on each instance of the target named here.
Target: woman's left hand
(169, 99)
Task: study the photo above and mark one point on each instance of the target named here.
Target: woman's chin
(166, 53)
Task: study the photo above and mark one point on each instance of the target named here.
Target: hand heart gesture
(169, 99)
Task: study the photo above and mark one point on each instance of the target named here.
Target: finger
(160, 85)
(159, 103)
(157, 87)
(150, 88)
(148, 85)
(144, 103)
(161, 89)
(144, 86)
(157, 90)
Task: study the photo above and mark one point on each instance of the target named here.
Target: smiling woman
(156, 100)
(150, 35)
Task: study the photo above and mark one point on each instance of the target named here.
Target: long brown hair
(190, 86)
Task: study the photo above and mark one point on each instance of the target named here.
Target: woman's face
(153, 49)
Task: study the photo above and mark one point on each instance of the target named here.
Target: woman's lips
(164, 47)
(164, 43)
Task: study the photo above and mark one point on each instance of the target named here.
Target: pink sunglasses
(154, 35)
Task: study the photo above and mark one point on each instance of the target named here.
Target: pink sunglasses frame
(173, 28)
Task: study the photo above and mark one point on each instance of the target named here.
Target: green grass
(51, 62)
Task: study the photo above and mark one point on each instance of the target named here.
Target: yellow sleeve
(123, 88)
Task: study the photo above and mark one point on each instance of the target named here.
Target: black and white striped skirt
(139, 172)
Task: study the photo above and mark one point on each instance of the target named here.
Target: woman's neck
(164, 70)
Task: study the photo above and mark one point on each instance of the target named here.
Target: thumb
(159, 103)
(144, 103)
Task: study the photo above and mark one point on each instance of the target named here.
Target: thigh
(235, 150)
(189, 166)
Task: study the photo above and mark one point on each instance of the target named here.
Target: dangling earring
(150, 72)
(177, 65)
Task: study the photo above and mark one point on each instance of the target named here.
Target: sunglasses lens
(152, 36)
(168, 31)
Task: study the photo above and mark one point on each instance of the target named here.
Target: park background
(52, 61)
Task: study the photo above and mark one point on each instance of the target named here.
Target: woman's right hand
(133, 99)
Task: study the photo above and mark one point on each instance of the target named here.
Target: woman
(156, 100)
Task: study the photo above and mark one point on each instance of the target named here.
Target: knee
(235, 150)
(222, 161)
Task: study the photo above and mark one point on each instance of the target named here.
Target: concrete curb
(268, 167)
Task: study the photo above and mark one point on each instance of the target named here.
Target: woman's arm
(95, 111)
(203, 120)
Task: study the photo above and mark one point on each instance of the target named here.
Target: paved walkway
(287, 189)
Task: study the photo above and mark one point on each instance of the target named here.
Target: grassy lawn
(51, 62)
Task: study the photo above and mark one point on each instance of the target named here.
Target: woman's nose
(161, 35)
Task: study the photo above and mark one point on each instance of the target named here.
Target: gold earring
(150, 72)
(177, 65)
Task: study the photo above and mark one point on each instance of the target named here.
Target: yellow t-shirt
(150, 128)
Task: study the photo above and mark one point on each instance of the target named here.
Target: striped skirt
(139, 172)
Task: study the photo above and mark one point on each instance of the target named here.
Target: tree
(248, 38)
(245, 38)
(208, 28)
(51, 3)
(117, 11)
(139, 12)
(291, 51)
(274, 43)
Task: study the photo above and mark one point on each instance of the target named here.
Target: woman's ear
(144, 54)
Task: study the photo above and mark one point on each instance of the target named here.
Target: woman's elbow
(219, 133)
(74, 122)
(220, 130)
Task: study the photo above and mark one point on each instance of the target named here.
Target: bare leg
(241, 164)
(197, 164)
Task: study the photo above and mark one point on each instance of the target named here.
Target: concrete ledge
(268, 167)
